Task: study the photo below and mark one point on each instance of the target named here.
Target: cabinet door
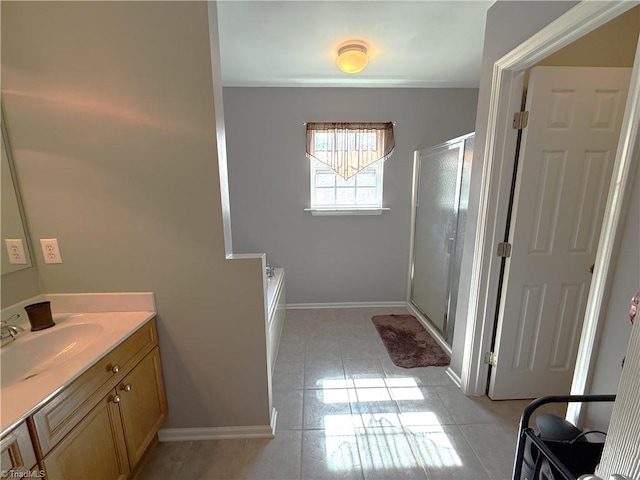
(16, 453)
(94, 449)
(144, 406)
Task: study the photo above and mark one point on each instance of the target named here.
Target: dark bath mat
(408, 343)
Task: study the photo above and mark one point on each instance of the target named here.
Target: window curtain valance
(349, 147)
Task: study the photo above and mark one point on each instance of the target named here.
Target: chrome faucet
(271, 272)
(7, 330)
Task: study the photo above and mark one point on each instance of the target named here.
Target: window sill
(345, 211)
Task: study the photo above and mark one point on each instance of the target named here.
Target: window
(347, 164)
(361, 191)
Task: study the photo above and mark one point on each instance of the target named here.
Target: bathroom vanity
(92, 415)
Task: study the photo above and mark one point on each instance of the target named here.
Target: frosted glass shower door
(438, 172)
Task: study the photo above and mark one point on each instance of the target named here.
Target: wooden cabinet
(142, 407)
(100, 425)
(94, 449)
(17, 454)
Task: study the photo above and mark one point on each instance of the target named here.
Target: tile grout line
(473, 449)
(354, 429)
(184, 459)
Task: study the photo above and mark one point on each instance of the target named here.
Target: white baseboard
(274, 419)
(303, 306)
(454, 377)
(219, 433)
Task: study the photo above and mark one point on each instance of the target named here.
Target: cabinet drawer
(17, 452)
(56, 418)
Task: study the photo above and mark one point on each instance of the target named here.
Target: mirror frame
(6, 144)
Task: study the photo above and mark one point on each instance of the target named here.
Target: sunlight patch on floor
(383, 433)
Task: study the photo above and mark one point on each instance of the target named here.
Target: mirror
(12, 215)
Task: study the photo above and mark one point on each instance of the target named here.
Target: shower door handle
(450, 242)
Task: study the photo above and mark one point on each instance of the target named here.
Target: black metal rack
(526, 435)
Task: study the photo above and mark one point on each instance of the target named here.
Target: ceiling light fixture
(352, 57)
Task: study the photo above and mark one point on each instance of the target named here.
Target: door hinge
(504, 249)
(490, 358)
(520, 120)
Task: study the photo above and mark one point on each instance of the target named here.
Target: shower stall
(441, 176)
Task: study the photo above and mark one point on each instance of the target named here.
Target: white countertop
(20, 400)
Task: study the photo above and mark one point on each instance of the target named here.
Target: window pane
(325, 179)
(366, 178)
(341, 182)
(322, 167)
(366, 196)
(325, 196)
(346, 196)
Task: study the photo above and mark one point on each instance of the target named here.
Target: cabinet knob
(116, 399)
(115, 368)
(127, 387)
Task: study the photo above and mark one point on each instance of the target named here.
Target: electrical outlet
(50, 250)
(15, 249)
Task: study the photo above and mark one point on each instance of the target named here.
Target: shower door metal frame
(440, 336)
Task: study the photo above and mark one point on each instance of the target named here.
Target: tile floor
(345, 411)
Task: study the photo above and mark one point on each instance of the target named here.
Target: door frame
(494, 195)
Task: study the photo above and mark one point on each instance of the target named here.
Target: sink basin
(33, 353)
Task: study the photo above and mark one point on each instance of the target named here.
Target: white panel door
(566, 159)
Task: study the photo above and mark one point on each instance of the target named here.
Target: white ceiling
(415, 43)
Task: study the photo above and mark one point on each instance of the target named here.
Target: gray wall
(330, 259)
(509, 23)
(113, 122)
(19, 286)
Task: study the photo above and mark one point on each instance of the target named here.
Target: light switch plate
(15, 249)
(50, 250)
